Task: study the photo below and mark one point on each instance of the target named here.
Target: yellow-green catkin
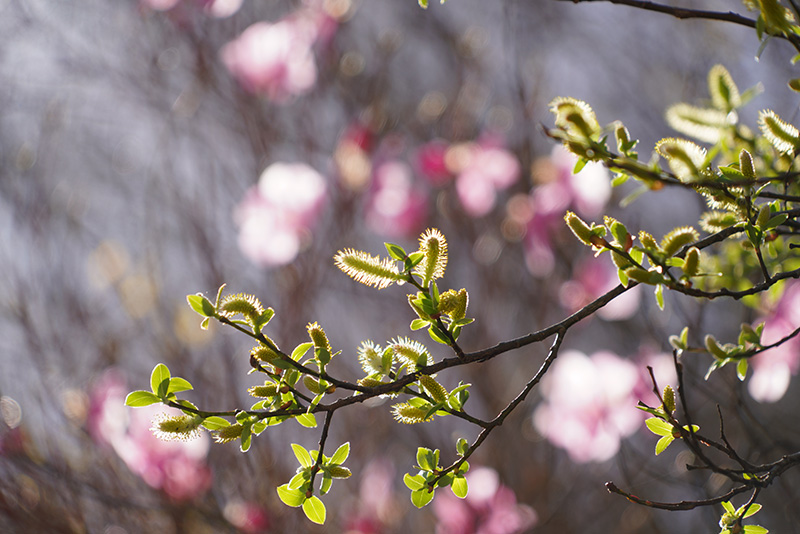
(181, 427)
(229, 433)
(317, 335)
(433, 246)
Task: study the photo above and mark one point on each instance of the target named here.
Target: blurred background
(157, 148)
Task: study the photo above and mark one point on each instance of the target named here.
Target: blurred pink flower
(178, 468)
(589, 404)
(773, 369)
(592, 278)
(246, 516)
(557, 191)
(481, 170)
(431, 163)
(376, 504)
(276, 216)
(397, 207)
(215, 8)
(489, 508)
(275, 60)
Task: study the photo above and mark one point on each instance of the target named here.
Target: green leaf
(177, 384)
(437, 335)
(291, 497)
(300, 350)
(395, 251)
(246, 438)
(579, 165)
(417, 324)
(423, 4)
(660, 296)
(663, 443)
(462, 446)
(201, 305)
(728, 507)
(215, 423)
(414, 482)
(421, 497)
(302, 455)
(327, 482)
(314, 510)
(425, 459)
(752, 510)
(307, 420)
(415, 258)
(340, 455)
(140, 398)
(459, 487)
(299, 479)
(159, 380)
(658, 426)
(741, 369)
(755, 529)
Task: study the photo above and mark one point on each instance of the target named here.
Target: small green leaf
(741, 369)
(215, 423)
(246, 438)
(340, 455)
(201, 305)
(395, 251)
(425, 459)
(462, 446)
(314, 510)
(307, 420)
(159, 380)
(658, 426)
(660, 296)
(177, 384)
(755, 529)
(300, 350)
(417, 324)
(728, 507)
(663, 443)
(421, 497)
(291, 497)
(137, 399)
(327, 482)
(437, 335)
(459, 487)
(302, 455)
(752, 510)
(414, 482)
(298, 480)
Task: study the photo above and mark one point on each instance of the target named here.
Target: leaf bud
(579, 228)
(691, 262)
(669, 399)
(746, 164)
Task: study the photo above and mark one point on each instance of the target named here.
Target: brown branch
(676, 506)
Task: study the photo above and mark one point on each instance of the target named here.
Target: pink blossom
(557, 191)
(431, 163)
(177, 468)
(592, 278)
(482, 170)
(275, 60)
(589, 404)
(247, 516)
(215, 8)
(397, 207)
(773, 369)
(489, 508)
(275, 217)
(377, 505)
